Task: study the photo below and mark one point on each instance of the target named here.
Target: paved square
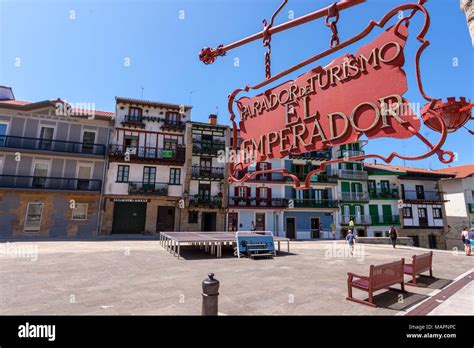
(140, 277)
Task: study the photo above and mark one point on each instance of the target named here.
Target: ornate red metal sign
(355, 95)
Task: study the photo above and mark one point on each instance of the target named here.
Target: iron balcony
(354, 196)
(350, 153)
(38, 144)
(173, 125)
(321, 178)
(205, 201)
(256, 202)
(210, 173)
(424, 196)
(209, 148)
(312, 155)
(358, 219)
(149, 154)
(384, 220)
(49, 183)
(154, 188)
(353, 174)
(384, 194)
(313, 203)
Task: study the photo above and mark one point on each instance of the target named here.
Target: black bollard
(210, 295)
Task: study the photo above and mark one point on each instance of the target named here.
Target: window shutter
(236, 191)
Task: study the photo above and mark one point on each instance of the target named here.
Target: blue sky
(78, 50)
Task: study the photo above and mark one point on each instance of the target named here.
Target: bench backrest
(382, 276)
(422, 262)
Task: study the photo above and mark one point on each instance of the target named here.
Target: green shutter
(345, 186)
(352, 210)
(387, 210)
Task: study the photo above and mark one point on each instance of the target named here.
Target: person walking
(350, 238)
(393, 234)
(466, 241)
(253, 227)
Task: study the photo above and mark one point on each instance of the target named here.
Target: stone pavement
(140, 277)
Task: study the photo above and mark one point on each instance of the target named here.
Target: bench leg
(431, 272)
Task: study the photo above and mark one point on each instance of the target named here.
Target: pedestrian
(351, 223)
(471, 237)
(253, 228)
(350, 239)
(393, 234)
(466, 241)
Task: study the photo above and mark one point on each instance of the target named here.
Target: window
(170, 144)
(122, 173)
(149, 175)
(3, 133)
(193, 217)
(88, 140)
(80, 211)
(33, 217)
(242, 191)
(437, 213)
(407, 212)
(175, 176)
(46, 136)
(40, 172)
(135, 115)
(83, 175)
(173, 117)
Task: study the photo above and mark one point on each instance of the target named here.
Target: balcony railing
(49, 183)
(208, 172)
(133, 119)
(353, 174)
(205, 201)
(154, 188)
(422, 196)
(210, 148)
(173, 125)
(350, 153)
(313, 203)
(385, 219)
(148, 153)
(39, 144)
(324, 178)
(384, 194)
(276, 176)
(354, 196)
(313, 155)
(257, 202)
(358, 219)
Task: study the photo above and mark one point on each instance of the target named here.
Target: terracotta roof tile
(404, 169)
(460, 171)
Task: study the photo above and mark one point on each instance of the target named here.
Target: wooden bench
(420, 263)
(380, 277)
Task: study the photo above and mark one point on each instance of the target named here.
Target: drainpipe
(104, 177)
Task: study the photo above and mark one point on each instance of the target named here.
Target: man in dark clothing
(393, 236)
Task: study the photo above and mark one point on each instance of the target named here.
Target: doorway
(290, 227)
(422, 217)
(315, 232)
(208, 222)
(260, 222)
(129, 217)
(165, 219)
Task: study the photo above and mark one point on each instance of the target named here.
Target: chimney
(212, 119)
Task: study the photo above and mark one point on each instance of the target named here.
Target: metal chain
(333, 12)
(268, 72)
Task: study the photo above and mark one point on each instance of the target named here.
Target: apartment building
(458, 193)
(310, 213)
(422, 205)
(258, 202)
(145, 176)
(52, 166)
(352, 190)
(383, 189)
(206, 171)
